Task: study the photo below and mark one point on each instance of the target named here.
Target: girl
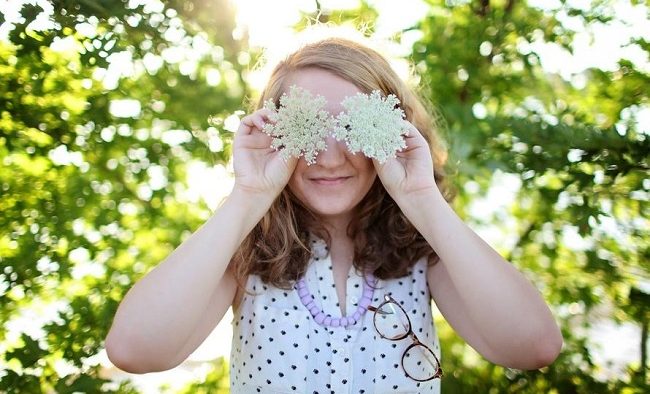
(330, 268)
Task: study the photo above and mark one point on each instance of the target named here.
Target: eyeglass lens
(392, 322)
(420, 363)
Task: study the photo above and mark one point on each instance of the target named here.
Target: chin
(330, 208)
(325, 211)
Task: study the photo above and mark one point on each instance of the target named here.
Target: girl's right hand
(259, 169)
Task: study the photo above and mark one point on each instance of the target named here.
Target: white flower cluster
(372, 124)
(301, 124)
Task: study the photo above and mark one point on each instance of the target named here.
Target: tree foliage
(581, 161)
(102, 110)
(104, 105)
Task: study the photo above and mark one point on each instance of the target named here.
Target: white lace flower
(373, 125)
(302, 124)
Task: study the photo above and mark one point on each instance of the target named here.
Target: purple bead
(365, 302)
(326, 320)
(320, 317)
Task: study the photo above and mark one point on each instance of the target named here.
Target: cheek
(369, 182)
(295, 184)
(301, 191)
(294, 187)
(367, 176)
(368, 170)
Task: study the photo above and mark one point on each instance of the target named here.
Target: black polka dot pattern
(278, 347)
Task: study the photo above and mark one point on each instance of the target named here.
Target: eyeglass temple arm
(380, 311)
(377, 310)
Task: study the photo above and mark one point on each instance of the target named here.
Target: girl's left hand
(411, 172)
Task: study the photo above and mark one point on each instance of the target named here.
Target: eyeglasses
(392, 322)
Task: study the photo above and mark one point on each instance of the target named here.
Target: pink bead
(368, 292)
(356, 316)
(327, 321)
(320, 317)
(305, 299)
(314, 310)
(302, 285)
(344, 322)
(303, 292)
(335, 322)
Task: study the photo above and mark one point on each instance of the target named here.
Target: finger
(414, 137)
(410, 130)
(246, 125)
(266, 114)
(257, 120)
(281, 167)
(292, 163)
(254, 120)
(261, 117)
(255, 140)
(379, 166)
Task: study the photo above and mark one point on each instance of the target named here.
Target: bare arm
(487, 301)
(170, 311)
(491, 304)
(181, 300)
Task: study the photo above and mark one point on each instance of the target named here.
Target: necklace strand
(327, 320)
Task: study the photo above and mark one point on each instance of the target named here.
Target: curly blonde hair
(385, 242)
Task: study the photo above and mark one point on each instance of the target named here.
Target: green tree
(102, 108)
(581, 159)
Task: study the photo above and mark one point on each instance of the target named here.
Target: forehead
(324, 83)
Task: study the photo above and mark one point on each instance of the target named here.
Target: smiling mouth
(330, 180)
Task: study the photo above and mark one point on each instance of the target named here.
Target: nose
(334, 156)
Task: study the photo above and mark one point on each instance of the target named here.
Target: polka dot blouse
(277, 347)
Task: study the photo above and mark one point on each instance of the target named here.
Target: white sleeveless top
(277, 347)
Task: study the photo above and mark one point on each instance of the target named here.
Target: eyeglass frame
(416, 341)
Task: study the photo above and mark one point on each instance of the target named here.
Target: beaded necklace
(327, 320)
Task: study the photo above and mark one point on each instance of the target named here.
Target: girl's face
(338, 181)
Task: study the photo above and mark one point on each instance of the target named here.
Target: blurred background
(116, 121)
